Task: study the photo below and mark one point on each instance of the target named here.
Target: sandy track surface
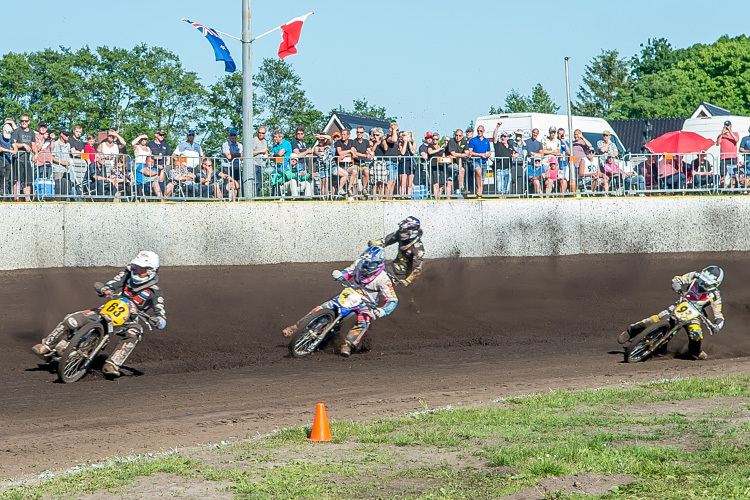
(470, 331)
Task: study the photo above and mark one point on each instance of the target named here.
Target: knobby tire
(311, 333)
(76, 359)
(648, 342)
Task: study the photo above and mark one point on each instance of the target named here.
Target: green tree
(538, 102)
(223, 110)
(281, 102)
(362, 107)
(718, 73)
(606, 81)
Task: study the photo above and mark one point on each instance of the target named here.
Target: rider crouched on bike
(703, 289)
(368, 276)
(137, 282)
(410, 250)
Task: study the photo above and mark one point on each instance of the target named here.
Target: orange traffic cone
(320, 429)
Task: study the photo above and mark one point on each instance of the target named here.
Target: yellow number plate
(116, 311)
(685, 312)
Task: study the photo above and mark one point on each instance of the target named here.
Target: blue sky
(435, 65)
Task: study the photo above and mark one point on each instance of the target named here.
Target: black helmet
(408, 229)
(710, 279)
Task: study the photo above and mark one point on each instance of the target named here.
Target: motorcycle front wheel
(77, 357)
(311, 333)
(648, 342)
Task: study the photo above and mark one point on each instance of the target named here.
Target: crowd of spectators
(44, 164)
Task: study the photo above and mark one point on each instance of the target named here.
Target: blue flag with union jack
(220, 49)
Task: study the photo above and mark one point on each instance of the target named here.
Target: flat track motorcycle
(656, 337)
(325, 324)
(89, 340)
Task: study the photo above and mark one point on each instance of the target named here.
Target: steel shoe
(346, 349)
(702, 355)
(42, 350)
(289, 330)
(110, 369)
(623, 337)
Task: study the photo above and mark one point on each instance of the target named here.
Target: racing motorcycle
(325, 324)
(89, 340)
(655, 338)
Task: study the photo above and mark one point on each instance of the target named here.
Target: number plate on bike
(116, 311)
(685, 311)
(349, 298)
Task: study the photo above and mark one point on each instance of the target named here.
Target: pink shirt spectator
(611, 168)
(666, 167)
(728, 147)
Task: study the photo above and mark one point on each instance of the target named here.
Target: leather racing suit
(693, 328)
(147, 296)
(407, 265)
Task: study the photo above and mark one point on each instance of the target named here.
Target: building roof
(706, 109)
(636, 132)
(339, 121)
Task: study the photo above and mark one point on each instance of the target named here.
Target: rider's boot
(695, 351)
(346, 349)
(122, 351)
(290, 330)
(48, 344)
(630, 332)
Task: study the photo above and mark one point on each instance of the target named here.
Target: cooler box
(418, 192)
(44, 188)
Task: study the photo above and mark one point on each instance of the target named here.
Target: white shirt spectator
(191, 151)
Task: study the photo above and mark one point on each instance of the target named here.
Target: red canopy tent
(680, 142)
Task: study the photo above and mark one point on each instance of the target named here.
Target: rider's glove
(677, 287)
(158, 322)
(403, 282)
(338, 275)
(378, 312)
(102, 290)
(371, 243)
(719, 324)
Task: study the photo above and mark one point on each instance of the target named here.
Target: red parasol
(680, 142)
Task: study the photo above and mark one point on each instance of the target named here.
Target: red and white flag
(290, 36)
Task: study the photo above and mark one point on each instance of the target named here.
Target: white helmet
(710, 279)
(143, 267)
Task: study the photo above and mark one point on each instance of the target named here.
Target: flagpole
(278, 27)
(248, 168)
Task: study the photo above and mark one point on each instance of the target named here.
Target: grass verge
(675, 439)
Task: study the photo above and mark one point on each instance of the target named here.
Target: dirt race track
(470, 331)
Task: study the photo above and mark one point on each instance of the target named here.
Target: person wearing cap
(701, 172)
(553, 177)
(565, 150)
(190, 150)
(590, 174)
(231, 150)
(469, 133)
(141, 149)
(61, 163)
(536, 173)
(606, 145)
(301, 173)
(160, 149)
(551, 147)
(284, 180)
(613, 171)
(504, 154)
(727, 142)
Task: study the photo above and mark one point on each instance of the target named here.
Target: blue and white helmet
(369, 265)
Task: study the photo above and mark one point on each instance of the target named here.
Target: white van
(710, 127)
(591, 128)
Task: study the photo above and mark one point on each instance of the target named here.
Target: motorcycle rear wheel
(311, 333)
(77, 357)
(648, 342)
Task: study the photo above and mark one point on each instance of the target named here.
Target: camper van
(710, 127)
(591, 128)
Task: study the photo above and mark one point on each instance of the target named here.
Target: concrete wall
(38, 235)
